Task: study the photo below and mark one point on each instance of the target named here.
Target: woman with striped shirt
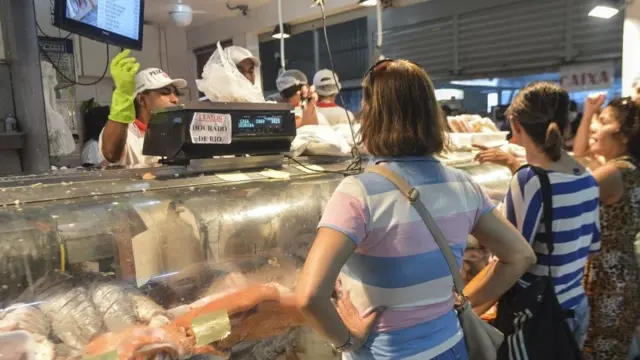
(375, 244)
(536, 115)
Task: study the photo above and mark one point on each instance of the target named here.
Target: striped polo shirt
(397, 263)
(576, 228)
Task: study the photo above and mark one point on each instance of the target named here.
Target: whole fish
(27, 318)
(74, 318)
(121, 304)
(68, 307)
(280, 269)
(148, 311)
(114, 303)
(19, 344)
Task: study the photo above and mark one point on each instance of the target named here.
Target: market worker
(327, 85)
(132, 101)
(293, 87)
(247, 64)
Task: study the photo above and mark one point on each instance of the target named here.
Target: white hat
(325, 82)
(290, 78)
(154, 79)
(237, 54)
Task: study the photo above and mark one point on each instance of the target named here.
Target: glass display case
(171, 262)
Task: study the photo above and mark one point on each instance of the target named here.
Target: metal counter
(173, 235)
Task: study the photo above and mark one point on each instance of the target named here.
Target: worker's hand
(123, 71)
(309, 114)
(498, 157)
(593, 104)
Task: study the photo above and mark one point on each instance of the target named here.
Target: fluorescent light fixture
(286, 32)
(604, 11)
(368, 2)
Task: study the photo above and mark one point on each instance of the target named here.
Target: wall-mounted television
(115, 22)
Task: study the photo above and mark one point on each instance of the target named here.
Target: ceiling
(157, 11)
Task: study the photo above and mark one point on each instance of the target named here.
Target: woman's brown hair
(400, 114)
(542, 109)
(627, 112)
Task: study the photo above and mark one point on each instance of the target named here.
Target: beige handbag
(482, 339)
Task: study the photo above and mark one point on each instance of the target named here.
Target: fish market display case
(119, 252)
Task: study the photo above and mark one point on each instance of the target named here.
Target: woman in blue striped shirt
(536, 115)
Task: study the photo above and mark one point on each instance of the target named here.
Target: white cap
(154, 79)
(326, 84)
(290, 78)
(237, 54)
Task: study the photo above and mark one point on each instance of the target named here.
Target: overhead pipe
(281, 24)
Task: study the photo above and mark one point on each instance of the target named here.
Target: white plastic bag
(319, 140)
(345, 132)
(222, 81)
(60, 137)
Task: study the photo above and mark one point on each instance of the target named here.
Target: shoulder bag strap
(413, 196)
(547, 205)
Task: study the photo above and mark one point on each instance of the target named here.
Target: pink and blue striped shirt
(397, 263)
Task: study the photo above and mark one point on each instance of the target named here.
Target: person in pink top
(395, 289)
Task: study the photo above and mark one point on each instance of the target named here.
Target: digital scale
(202, 130)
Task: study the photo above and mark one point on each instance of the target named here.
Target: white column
(631, 48)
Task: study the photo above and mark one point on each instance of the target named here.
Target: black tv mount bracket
(244, 9)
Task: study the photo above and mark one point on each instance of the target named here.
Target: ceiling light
(368, 2)
(286, 32)
(604, 10)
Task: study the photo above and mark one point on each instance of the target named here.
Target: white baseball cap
(237, 54)
(154, 79)
(325, 82)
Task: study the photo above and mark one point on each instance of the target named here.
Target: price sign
(208, 128)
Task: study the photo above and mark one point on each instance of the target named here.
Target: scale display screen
(259, 124)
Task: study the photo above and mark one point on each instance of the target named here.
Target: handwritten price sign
(207, 128)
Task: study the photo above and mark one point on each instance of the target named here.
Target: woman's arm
(609, 179)
(342, 228)
(514, 253)
(329, 253)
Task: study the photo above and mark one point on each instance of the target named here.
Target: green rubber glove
(123, 72)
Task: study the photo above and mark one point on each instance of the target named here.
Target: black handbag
(531, 318)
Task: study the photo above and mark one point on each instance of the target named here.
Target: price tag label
(212, 327)
(208, 128)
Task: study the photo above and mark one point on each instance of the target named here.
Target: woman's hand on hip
(359, 326)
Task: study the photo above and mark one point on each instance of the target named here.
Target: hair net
(222, 81)
(290, 78)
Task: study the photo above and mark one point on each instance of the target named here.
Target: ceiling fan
(181, 14)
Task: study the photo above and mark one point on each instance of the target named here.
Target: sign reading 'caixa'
(597, 76)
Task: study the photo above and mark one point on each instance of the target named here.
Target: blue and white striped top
(576, 227)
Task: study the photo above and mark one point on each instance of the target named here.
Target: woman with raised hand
(613, 277)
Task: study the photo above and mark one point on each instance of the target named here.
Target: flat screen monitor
(114, 22)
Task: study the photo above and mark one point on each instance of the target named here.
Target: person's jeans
(579, 324)
(457, 352)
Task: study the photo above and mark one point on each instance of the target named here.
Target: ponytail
(539, 108)
(553, 142)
